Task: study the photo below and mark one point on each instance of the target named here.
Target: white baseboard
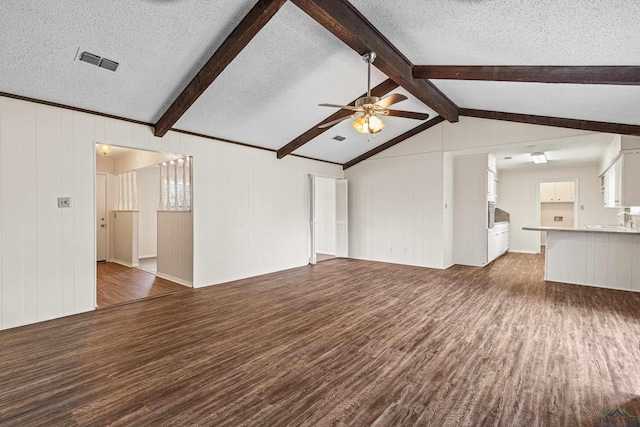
(174, 279)
(126, 264)
(147, 256)
(523, 252)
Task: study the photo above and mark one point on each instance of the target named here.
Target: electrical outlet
(64, 202)
(390, 249)
(404, 251)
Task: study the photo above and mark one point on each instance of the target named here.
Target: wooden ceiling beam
(600, 75)
(587, 125)
(345, 22)
(394, 141)
(239, 38)
(380, 90)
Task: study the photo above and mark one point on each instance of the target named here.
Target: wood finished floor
(345, 342)
(117, 284)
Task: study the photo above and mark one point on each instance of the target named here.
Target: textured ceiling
(269, 94)
(159, 44)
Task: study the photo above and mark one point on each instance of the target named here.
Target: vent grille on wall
(98, 61)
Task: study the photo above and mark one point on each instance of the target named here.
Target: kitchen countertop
(621, 230)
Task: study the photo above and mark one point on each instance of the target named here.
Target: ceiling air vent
(90, 58)
(108, 64)
(339, 138)
(98, 61)
(508, 158)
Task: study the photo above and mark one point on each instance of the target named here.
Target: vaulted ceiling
(261, 68)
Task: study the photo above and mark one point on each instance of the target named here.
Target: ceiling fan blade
(405, 114)
(335, 122)
(391, 99)
(342, 107)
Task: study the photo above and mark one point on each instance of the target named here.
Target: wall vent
(98, 61)
(339, 138)
(508, 157)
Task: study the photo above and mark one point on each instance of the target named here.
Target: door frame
(311, 247)
(106, 219)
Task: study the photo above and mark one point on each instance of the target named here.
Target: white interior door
(342, 218)
(101, 217)
(312, 219)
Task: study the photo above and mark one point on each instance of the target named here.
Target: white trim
(147, 256)
(175, 279)
(590, 285)
(515, 251)
(126, 264)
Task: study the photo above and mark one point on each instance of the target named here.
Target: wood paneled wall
(47, 255)
(124, 237)
(175, 246)
(251, 210)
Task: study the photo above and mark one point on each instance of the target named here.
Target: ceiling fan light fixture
(368, 123)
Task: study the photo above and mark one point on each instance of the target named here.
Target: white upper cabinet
(622, 182)
(557, 192)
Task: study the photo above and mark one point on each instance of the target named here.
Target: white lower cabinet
(497, 241)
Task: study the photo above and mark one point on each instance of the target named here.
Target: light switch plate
(64, 202)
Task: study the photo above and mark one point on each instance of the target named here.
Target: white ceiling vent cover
(98, 61)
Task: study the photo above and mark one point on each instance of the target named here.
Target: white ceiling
(574, 150)
(269, 93)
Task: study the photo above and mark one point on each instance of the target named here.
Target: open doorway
(144, 224)
(557, 205)
(329, 218)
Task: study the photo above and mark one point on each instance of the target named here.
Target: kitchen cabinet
(497, 241)
(622, 182)
(557, 192)
(491, 186)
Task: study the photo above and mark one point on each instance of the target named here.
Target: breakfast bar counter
(606, 256)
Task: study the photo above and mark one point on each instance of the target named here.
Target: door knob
(103, 225)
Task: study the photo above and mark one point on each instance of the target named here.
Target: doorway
(557, 205)
(142, 198)
(329, 218)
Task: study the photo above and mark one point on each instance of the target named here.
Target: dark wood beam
(240, 37)
(345, 22)
(380, 90)
(554, 121)
(394, 141)
(606, 75)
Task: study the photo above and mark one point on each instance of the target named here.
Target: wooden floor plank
(117, 284)
(344, 342)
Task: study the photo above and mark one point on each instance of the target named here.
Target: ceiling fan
(368, 107)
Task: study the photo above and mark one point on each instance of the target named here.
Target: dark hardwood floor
(118, 284)
(344, 342)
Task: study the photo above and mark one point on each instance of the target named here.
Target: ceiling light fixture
(538, 158)
(104, 149)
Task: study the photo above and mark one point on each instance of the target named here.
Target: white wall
(517, 195)
(250, 213)
(148, 189)
(325, 205)
(47, 254)
(396, 209)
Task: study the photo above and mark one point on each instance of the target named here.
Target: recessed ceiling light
(539, 158)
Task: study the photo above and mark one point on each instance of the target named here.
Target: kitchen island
(603, 256)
